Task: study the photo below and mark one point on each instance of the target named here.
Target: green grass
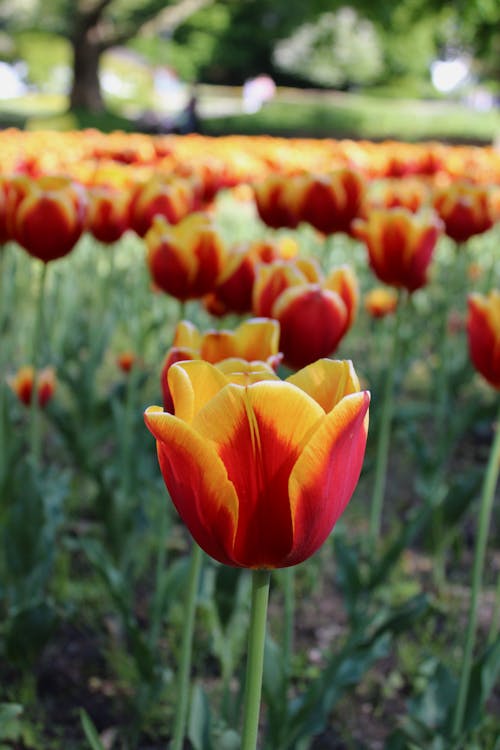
(362, 116)
(292, 113)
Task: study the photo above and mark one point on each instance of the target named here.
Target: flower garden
(248, 443)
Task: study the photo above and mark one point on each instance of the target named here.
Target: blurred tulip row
(269, 294)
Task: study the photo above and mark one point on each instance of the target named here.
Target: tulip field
(249, 444)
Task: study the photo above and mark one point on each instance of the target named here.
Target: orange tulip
(483, 328)
(126, 360)
(381, 301)
(400, 245)
(185, 260)
(255, 339)
(108, 213)
(465, 210)
(22, 385)
(259, 469)
(47, 215)
(410, 193)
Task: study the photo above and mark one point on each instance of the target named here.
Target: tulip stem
(255, 659)
(384, 435)
(187, 648)
(486, 504)
(35, 438)
(289, 596)
(495, 619)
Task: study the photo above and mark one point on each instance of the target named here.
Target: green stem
(187, 648)
(35, 436)
(255, 659)
(289, 592)
(382, 455)
(159, 573)
(487, 497)
(495, 620)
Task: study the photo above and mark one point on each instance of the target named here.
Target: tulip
(312, 322)
(233, 292)
(400, 245)
(126, 360)
(254, 340)
(330, 202)
(483, 328)
(108, 213)
(381, 301)
(260, 471)
(344, 281)
(465, 210)
(410, 193)
(278, 199)
(272, 279)
(22, 384)
(185, 260)
(47, 215)
(170, 197)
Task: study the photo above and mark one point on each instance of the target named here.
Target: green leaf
(199, 719)
(10, 721)
(483, 678)
(90, 731)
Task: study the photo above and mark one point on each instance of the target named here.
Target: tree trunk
(86, 89)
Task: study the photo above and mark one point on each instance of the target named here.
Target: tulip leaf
(90, 731)
(199, 719)
(483, 678)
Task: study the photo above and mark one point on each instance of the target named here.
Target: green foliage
(337, 50)
(47, 57)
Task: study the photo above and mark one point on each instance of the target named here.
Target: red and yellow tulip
(22, 384)
(483, 329)
(108, 213)
(46, 215)
(256, 339)
(465, 210)
(381, 301)
(400, 245)
(260, 469)
(185, 260)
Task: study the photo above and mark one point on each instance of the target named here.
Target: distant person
(257, 91)
(189, 119)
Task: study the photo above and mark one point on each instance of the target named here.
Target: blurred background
(410, 69)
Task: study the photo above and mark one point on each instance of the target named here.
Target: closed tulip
(400, 245)
(170, 197)
(465, 210)
(381, 301)
(22, 385)
(330, 202)
(108, 213)
(260, 469)
(483, 328)
(256, 339)
(312, 321)
(185, 260)
(47, 215)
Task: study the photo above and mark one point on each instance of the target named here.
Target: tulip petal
(191, 385)
(325, 475)
(327, 381)
(197, 482)
(259, 432)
